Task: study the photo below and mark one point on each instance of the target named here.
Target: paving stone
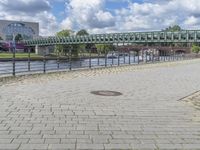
(117, 146)
(68, 141)
(9, 146)
(90, 146)
(191, 146)
(62, 146)
(33, 147)
(20, 141)
(36, 141)
(5, 141)
(144, 146)
(52, 141)
(170, 146)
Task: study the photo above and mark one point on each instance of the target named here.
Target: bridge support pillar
(41, 50)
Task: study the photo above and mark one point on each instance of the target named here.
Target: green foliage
(195, 48)
(80, 48)
(173, 28)
(82, 32)
(64, 49)
(104, 48)
(18, 38)
(64, 33)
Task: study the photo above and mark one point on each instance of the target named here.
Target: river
(21, 67)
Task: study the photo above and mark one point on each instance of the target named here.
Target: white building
(28, 30)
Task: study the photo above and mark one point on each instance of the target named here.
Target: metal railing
(14, 67)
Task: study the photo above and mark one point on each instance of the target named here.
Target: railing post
(105, 59)
(164, 55)
(112, 59)
(152, 56)
(142, 55)
(44, 61)
(118, 63)
(134, 57)
(98, 59)
(29, 57)
(13, 59)
(90, 63)
(124, 57)
(70, 59)
(146, 56)
(129, 58)
(58, 60)
(138, 55)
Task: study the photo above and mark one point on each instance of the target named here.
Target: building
(27, 30)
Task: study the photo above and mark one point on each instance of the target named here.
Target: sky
(103, 16)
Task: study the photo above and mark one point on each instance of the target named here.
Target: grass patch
(19, 55)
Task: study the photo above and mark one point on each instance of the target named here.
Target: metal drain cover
(106, 93)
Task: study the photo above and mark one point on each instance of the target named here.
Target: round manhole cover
(106, 93)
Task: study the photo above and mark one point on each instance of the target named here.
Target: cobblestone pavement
(57, 111)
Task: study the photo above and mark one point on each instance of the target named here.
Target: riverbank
(95, 71)
(6, 57)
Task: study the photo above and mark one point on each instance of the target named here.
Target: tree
(1, 38)
(18, 38)
(195, 49)
(173, 28)
(63, 48)
(78, 48)
(82, 32)
(64, 33)
(104, 48)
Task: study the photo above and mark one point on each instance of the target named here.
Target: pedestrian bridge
(185, 36)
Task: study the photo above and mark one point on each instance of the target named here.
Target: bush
(195, 49)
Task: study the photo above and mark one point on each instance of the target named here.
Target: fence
(13, 66)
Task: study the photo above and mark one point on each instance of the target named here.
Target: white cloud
(97, 17)
(191, 21)
(88, 14)
(67, 24)
(150, 15)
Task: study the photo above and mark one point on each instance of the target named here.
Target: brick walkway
(57, 111)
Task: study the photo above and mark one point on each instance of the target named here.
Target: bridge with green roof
(184, 36)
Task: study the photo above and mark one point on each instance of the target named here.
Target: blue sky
(103, 16)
